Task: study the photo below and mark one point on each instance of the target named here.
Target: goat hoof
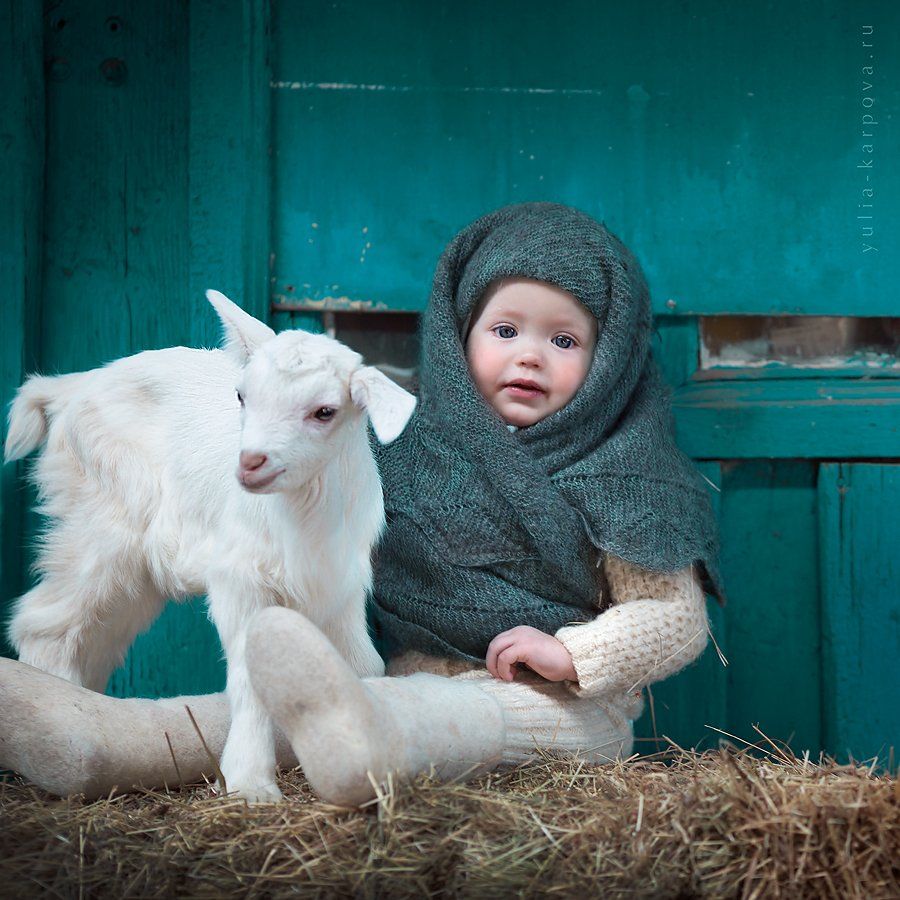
(253, 792)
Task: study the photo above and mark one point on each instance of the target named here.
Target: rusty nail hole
(58, 24)
(114, 24)
(113, 70)
(289, 288)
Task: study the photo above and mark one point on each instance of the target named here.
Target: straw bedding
(719, 824)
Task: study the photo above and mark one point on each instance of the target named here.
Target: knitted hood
(489, 528)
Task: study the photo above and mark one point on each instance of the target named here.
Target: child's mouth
(523, 389)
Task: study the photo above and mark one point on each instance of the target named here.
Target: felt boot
(349, 733)
(70, 740)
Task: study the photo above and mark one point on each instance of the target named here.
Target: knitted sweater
(656, 625)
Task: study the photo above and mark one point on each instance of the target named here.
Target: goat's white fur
(138, 483)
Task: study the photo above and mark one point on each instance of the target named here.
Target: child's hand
(541, 652)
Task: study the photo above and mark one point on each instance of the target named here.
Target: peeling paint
(413, 88)
(285, 303)
(747, 357)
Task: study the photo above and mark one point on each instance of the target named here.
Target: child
(536, 486)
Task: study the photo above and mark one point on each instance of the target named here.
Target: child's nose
(530, 356)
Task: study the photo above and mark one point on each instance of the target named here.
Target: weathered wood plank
(737, 184)
(116, 254)
(860, 576)
(116, 258)
(230, 152)
(21, 215)
(790, 419)
(778, 371)
(772, 621)
(226, 171)
(676, 345)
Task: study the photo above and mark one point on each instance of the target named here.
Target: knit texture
(657, 626)
(543, 715)
(488, 528)
(537, 714)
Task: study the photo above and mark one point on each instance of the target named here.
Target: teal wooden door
(313, 158)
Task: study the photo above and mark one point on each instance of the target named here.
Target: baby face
(530, 349)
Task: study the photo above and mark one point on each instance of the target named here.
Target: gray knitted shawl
(488, 528)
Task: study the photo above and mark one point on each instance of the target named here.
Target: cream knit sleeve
(655, 627)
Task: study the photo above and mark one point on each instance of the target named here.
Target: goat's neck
(345, 492)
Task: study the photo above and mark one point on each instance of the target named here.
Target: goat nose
(251, 461)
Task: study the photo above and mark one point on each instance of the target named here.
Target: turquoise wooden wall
(314, 156)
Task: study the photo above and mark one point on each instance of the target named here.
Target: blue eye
(505, 331)
(563, 341)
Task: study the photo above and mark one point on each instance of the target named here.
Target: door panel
(769, 561)
(687, 708)
(860, 575)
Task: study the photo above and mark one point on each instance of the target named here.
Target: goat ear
(243, 333)
(388, 405)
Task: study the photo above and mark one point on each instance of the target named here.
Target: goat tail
(28, 417)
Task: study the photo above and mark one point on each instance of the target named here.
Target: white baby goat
(138, 483)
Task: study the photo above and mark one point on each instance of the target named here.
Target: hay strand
(724, 823)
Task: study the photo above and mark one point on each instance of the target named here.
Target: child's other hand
(541, 652)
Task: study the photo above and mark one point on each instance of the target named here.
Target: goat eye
(240, 397)
(324, 413)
